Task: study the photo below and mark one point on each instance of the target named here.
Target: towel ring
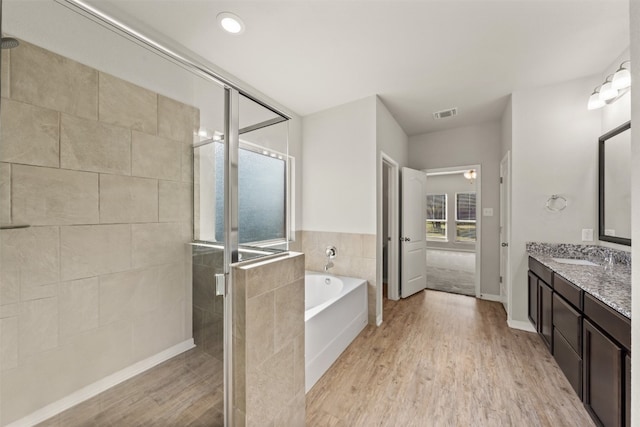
(553, 199)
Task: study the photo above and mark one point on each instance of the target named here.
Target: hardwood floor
(183, 391)
(444, 360)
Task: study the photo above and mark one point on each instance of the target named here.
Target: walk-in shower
(138, 177)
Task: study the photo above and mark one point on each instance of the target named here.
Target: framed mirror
(614, 172)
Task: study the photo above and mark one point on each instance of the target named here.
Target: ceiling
(418, 56)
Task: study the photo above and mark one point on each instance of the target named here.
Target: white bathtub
(335, 313)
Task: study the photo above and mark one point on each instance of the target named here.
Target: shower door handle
(221, 285)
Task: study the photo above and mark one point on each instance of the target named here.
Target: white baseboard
(379, 320)
(491, 297)
(522, 325)
(98, 387)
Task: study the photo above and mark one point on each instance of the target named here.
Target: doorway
(453, 229)
(388, 232)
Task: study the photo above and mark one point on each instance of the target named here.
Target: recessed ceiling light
(231, 23)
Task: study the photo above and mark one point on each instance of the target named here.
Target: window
(437, 217)
(466, 217)
(262, 194)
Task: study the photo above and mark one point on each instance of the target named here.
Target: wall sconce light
(614, 86)
(471, 174)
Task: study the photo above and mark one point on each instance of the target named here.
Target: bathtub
(335, 313)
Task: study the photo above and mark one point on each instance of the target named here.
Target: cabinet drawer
(569, 361)
(568, 290)
(609, 320)
(568, 322)
(541, 271)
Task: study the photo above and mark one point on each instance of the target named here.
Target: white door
(413, 232)
(505, 230)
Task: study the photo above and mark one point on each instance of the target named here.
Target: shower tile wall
(356, 258)
(268, 337)
(101, 170)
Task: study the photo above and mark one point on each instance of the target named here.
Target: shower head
(9, 43)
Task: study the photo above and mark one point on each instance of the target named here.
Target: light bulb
(231, 23)
(607, 92)
(595, 102)
(621, 79)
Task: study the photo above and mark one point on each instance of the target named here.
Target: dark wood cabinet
(545, 315)
(589, 340)
(627, 390)
(533, 299)
(602, 376)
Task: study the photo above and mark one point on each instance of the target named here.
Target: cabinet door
(602, 364)
(627, 392)
(545, 315)
(533, 299)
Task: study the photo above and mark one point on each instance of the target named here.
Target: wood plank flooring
(183, 391)
(444, 360)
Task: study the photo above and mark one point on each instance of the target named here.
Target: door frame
(478, 188)
(393, 258)
(505, 222)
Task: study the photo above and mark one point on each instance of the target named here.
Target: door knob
(504, 245)
(405, 239)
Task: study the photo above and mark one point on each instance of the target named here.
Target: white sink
(573, 261)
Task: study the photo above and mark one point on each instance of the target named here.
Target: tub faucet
(330, 252)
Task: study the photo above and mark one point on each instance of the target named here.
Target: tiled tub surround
(268, 336)
(102, 279)
(611, 287)
(356, 258)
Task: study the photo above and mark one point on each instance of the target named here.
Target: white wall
(635, 217)
(554, 151)
(390, 137)
(507, 131)
(478, 144)
(339, 157)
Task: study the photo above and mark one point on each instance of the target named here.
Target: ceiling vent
(445, 113)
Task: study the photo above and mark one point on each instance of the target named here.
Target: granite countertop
(611, 287)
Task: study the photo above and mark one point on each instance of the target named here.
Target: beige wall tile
(28, 292)
(289, 312)
(79, 308)
(125, 199)
(349, 244)
(30, 134)
(369, 246)
(293, 414)
(187, 163)
(43, 78)
(157, 331)
(29, 257)
(93, 146)
(125, 104)
(175, 201)
(172, 286)
(272, 275)
(9, 310)
(176, 120)
(155, 157)
(44, 196)
(126, 295)
(88, 251)
(298, 364)
(66, 369)
(260, 328)
(270, 385)
(38, 326)
(8, 343)
(5, 193)
(4, 73)
(155, 244)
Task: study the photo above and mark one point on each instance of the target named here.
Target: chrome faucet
(330, 252)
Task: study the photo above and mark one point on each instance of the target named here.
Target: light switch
(587, 234)
(487, 211)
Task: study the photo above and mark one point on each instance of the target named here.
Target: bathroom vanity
(582, 312)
